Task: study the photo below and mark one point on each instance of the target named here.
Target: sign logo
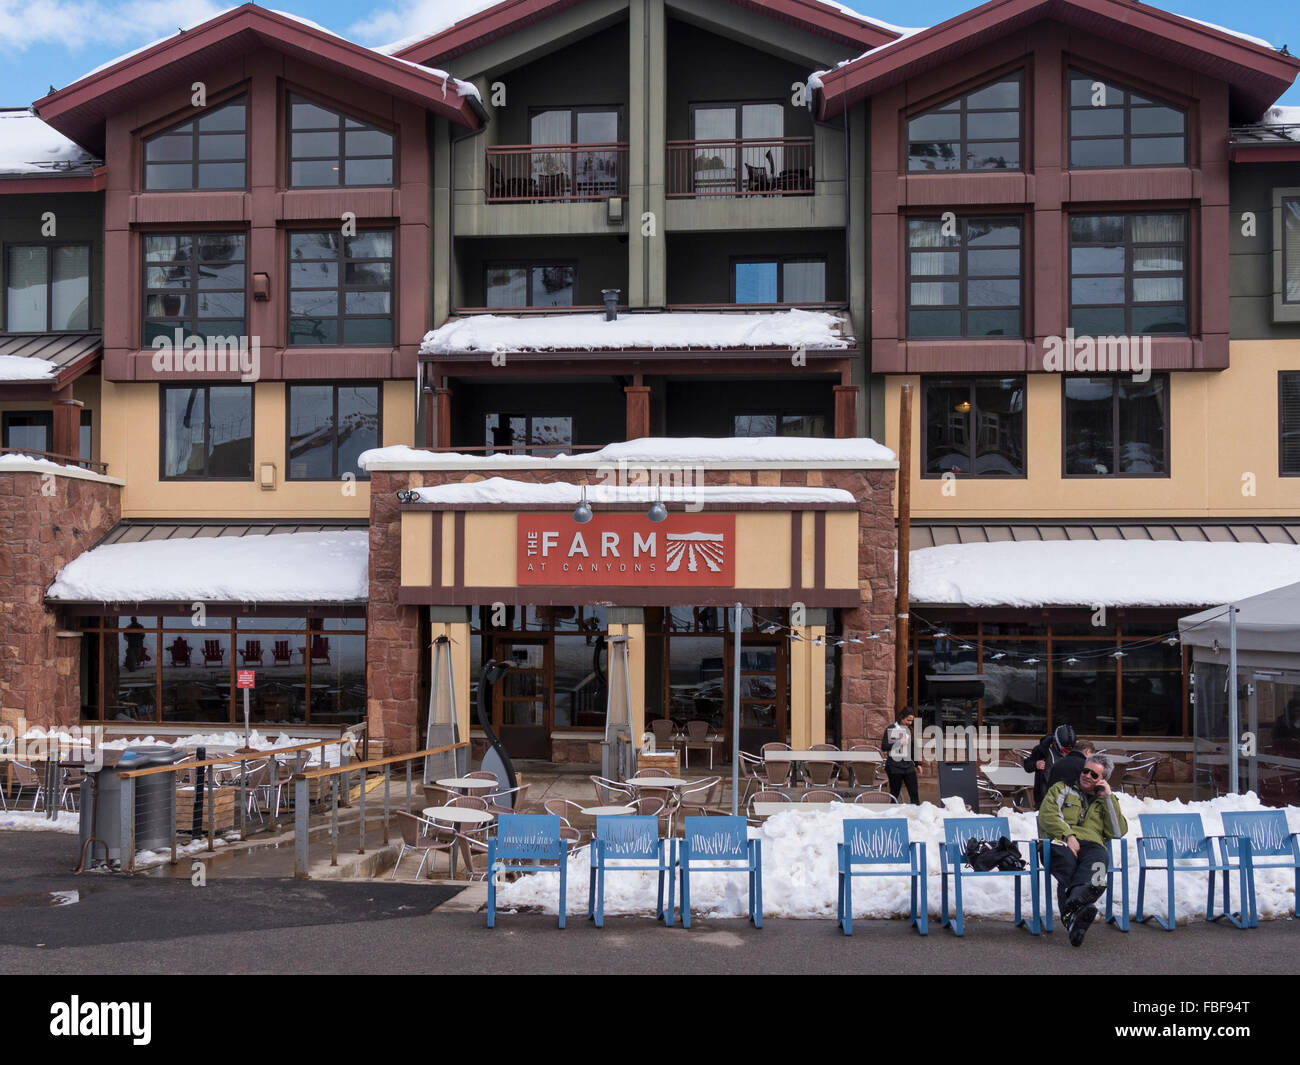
(627, 550)
(245, 678)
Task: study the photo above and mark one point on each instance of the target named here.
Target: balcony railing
(62, 460)
(556, 173)
(781, 166)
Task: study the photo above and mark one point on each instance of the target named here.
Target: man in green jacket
(1079, 817)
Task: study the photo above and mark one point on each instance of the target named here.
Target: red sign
(244, 678)
(628, 550)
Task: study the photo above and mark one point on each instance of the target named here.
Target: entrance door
(763, 695)
(522, 700)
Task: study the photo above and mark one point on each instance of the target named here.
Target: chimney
(610, 296)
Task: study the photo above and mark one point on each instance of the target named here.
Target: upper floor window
(329, 427)
(33, 430)
(778, 279)
(780, 423)
(193, 282)
(1116, 426)
(1111, 126)
(1288, 397)
(207, 152)
(1128, 274)
(530, 285)
(1291, 249)
(207, 432)
(980, 130)
(328, 149)
(964, 277)
(528, 434)
(47, 288)
(341, 288)
(975, 426)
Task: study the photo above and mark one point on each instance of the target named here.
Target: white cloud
(407, 21)
(79, 24)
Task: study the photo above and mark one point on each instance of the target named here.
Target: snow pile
(288, 567)
(792, 329)
(1034, 573)
(800, 869)
(524, 493)
(1286, 118)
(27, 820)
(220, 744)
(21, 367)
(29, 146)
(16, 461)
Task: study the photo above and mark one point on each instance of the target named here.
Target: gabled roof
(80, 110)
(1256, 73)
(826, 19)
(50, 359)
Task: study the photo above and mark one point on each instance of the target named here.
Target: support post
(901, 619)
(301, 813)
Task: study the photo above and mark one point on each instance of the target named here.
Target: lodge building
(620, 253)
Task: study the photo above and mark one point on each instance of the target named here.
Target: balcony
(781, 166)
(556, 173)
(55, 457)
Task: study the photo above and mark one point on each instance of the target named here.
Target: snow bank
(13, 820)
(792, 329)
(1116, 572)
(503, 490)
(799, 869)
(289, 567)
(20, 367)
(26, 462)
(29, 146)
(220, 744)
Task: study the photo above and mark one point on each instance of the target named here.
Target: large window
(193, 282)
(329, 427)
(978, 131)
(341, 288)
(975, 426)
(530, 284)
(1288, 395)
(1111, 126)
(964, 277)
(47, 288)
(741, 147)
(207, 152)
(778, 279)
(33, 430)
(1128, 274)
(780, 423)
(327, 149)
(528, 434)
(585, 173)
(207, 432)
(1115, 426)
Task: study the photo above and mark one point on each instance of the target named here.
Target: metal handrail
(593, 172)
(746, 167)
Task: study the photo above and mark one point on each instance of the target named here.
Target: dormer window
(978, 131)
(1112, 126)
(328, 149)
(208, 151)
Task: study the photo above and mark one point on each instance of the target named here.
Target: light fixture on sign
(657, 512)
(582, 512)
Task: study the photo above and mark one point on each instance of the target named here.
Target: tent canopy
(1267, 622)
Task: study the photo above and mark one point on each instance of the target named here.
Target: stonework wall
(866, 669)
(46, 520)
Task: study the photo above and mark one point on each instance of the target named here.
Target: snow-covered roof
(1117, 573)
(1266, 622)
(526, 493)
(28, 146)
(655, 331)
(725, 452)
(289, 568)
(23, 368)
(1287, 119)
(1225, 29)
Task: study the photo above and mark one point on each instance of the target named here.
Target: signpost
(245, 679)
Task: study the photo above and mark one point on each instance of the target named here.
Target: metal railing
(54, 456)
(556, 173)
(780, 166)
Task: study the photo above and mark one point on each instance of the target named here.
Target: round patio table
(468, 783)
(456, 816)
(665, 783)
(608, 811)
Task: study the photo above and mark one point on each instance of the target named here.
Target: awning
(46, 360)
(939, 533)
(1267, 622)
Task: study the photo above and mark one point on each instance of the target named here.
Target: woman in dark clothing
(899, 749)
(1044, 756)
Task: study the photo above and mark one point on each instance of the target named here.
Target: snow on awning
(525, 493)
(29, 147)
(53, 358)
(658, 331)
(1117, 573)
(324, 567)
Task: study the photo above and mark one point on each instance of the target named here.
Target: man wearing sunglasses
(1079, 817)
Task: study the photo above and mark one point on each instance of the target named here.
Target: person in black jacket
(1068, 766)
(1045, 754)
(899, 749)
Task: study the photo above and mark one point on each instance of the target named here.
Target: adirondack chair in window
(957, 832)
(1117, 855)
(1250, 836)
(280, 653)
(523, 842)
(320, 651)
(180, 651)
(213, 653)
(721, 839)
(1169, 838)
(878, 848)
(252, 652)
(634, 843)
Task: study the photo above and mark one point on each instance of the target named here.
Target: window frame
(1019, 74)
(1128, 244)
(528, 266)
(575, 110)
(341, 289)
(206, 386)
(368, 124)
(504, 416)
(972, 383)
(781, 413)
(1284, 310)
(334, 385)
(1282, 471)
(1127, 136)
(963, 278)
(781, 260)
(1114, 431)
(236, 95)
(193, 265)
(49, 283)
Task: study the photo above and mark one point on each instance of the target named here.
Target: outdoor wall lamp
(582, 512)
(657, 512)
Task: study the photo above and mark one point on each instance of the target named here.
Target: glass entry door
(523, 699)
(763, 702)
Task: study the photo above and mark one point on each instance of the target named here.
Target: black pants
(898, 779)
(1075, 875)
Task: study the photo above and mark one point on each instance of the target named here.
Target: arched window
(208, 151)
(329, 149)
(981, 130)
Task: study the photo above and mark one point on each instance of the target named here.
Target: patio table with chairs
(455, 817)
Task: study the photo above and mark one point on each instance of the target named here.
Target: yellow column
(636, 675)
(808, 687)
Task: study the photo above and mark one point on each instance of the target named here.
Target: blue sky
(44, 42)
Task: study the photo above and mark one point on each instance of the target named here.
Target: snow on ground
(20, 367)
(29, 146)
(288, 567)
(791, 329)
(27, 820)
(1119, 572)
(525, 493)
(800, 869)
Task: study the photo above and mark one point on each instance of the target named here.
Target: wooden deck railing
(780, 166)
(555, 173)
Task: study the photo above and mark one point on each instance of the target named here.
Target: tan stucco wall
(1223, 425)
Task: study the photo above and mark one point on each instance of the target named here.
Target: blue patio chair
(628, 840)
(957, 831)
(721, 839)
(1120, 920)
(525, 841)
(869, 844)
(1171, 838)
(1249, 836)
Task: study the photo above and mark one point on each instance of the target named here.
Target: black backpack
(984, 855)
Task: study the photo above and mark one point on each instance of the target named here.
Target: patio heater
(616, 750)
(443, 724)
(497, 758)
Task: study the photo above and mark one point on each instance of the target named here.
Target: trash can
(155, 803)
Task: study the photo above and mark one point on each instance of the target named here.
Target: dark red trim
(54, 183)
(583, 595)
(214, 609)
(435, 548)
(1268, 153)
(458, 549)
(720, 508)
(796, 553)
